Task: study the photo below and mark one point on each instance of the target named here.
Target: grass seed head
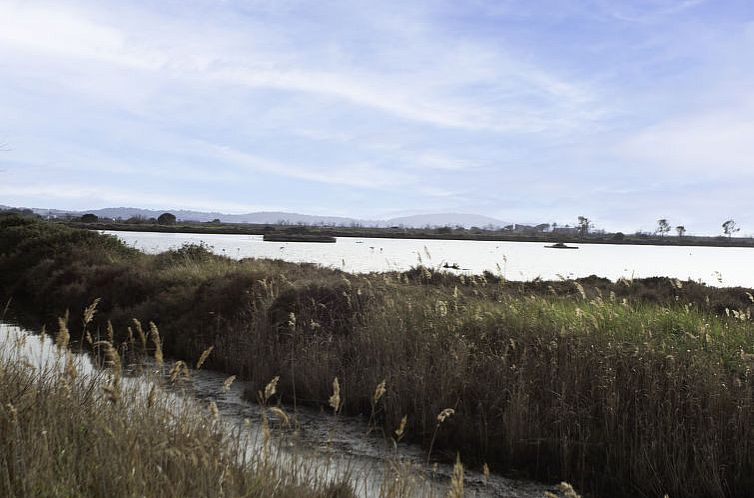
(89, 311)
(445, 414)
(203, 357)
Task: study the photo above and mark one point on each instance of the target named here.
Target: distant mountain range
(273, 217)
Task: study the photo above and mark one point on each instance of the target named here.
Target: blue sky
(529, 111)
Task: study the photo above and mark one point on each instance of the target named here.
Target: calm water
(727, 266)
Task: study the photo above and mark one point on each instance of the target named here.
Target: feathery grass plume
(580, 289)
(89, 312)
(269, 390)
(203, 357)
(213, 410)
(63, 337)
(335, 401)
(110, 332)
(155, 335)
(228, 382)
(486, 473)
(568, 490)
(456, 481)
(445, 414)
(142, 335)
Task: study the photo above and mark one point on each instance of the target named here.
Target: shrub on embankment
(630, 388)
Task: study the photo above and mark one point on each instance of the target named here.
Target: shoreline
(418, 234)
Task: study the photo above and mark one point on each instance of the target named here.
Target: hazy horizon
(625, 112)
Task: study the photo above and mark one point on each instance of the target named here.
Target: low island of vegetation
(628, 388)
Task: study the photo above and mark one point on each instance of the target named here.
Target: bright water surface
(726, 266)
(325, 445)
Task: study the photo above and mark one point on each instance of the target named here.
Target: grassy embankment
(634, 388)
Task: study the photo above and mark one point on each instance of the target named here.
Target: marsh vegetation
(623, 388)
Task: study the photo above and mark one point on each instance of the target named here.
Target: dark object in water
(297, 237)
(560, 245)
(453, 266)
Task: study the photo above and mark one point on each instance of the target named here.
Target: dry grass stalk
(279, 413)
(456, 481)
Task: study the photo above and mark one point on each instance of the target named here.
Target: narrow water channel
(337, 447)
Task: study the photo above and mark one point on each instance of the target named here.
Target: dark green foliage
(166, 219)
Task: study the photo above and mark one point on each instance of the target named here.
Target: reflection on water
(335, 447)
(728, 266)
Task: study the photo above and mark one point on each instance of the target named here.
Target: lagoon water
(718, 266)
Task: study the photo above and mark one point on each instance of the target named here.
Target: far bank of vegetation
(582, 231)
(634, 388)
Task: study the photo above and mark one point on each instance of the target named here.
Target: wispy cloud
(537, 109)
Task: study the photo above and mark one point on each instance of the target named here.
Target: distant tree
(681, 230)
(166, 219)
(584, 225)
(136, 219)
(729, 228)
(216, 220)
(663, 227)
(619, 236)
(89, 218)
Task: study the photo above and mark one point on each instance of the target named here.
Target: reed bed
(66, 434)
(634, 388)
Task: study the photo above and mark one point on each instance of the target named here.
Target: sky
(525, 110)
